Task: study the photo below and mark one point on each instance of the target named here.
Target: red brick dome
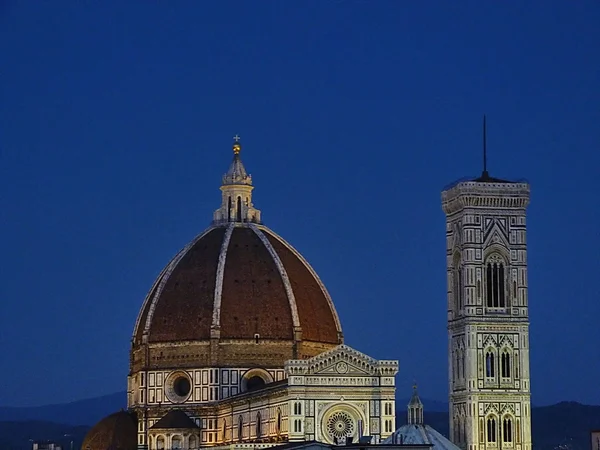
(235, 283)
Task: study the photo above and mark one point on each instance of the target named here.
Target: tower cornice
(473, 194)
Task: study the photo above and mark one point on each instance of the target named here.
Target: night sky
(116, 123)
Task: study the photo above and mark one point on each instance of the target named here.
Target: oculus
(178, 387)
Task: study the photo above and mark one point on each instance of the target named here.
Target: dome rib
(216, 318)
(315, 276)
(284, 276)
(161, 281)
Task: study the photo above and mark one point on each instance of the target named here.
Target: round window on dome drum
(178, 386)
(181, 386)
(255, 383)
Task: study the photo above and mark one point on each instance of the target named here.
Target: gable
(343, 360)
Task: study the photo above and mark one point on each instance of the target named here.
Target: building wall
(595, 436)
(488, 323)
(305, 400)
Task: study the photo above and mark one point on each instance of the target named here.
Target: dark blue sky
(116, 121)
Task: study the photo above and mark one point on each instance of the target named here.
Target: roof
(420, 434)
(117, 431)
(175, 418)
(241, 281)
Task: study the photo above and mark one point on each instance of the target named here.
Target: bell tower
(488, 318)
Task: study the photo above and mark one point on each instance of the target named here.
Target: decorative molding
(282, 273)
(216, 318)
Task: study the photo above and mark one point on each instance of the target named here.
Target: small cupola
(236, 189)
(415, 408)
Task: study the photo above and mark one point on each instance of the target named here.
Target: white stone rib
(166, 273)
(311, 270)
(282, 272)
(216, 317)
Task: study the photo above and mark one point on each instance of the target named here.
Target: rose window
(340, 424)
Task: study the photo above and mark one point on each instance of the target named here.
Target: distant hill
(82, 412)
(428, 404)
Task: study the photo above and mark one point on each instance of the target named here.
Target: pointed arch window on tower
(505, 364)
(495, 282)
(491, 429)
(489, 364)
(507, 435)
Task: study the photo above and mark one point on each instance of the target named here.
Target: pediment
(343, 360)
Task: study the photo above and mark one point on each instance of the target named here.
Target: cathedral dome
(117, 431)
(236, 283)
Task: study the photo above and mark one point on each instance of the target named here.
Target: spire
(485, 173)
(415, 408)
(236, 188)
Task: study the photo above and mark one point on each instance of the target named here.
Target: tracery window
(507, 435)
(491, 430)
(505, 364)
(489, 364)
(495, 282)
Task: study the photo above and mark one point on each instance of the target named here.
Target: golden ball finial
(236, 145)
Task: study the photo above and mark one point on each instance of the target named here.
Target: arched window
(489, 364)
(239, 209)
(176, 442)
(495, 282)
(160, 443)
(507, 435)
(193, 443)
(224, 430)
(240, 428)
(278, 423)
(258, 426)
(229, 210)
(491, 429)
(505, 364)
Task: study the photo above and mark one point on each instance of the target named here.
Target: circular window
(178, 387)
(181, 386)
(340, 424)
(255, 383)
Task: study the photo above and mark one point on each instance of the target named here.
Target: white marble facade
(488, 320)
(338, 394)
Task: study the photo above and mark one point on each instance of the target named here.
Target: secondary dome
(236, 282)
(117, 431)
